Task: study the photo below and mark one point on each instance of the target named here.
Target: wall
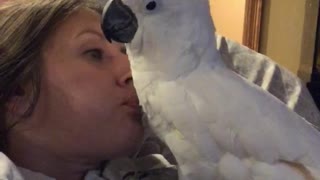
(288, 33)
(228, 16)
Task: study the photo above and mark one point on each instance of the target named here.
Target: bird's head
(159, 34)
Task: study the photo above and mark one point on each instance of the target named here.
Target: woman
(67, 97)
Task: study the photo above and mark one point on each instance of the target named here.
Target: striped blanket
(275, 79)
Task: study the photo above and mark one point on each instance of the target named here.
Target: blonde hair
(24, 27)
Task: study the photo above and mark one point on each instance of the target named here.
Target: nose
(125, 79)
(122, 71)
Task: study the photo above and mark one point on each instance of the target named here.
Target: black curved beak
(119, 23)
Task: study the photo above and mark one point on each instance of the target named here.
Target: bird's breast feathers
(241, 117)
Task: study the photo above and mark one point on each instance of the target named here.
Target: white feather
(218, 125)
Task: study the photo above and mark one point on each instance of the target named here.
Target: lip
(132, 102)
(133, 106)
(135, 112)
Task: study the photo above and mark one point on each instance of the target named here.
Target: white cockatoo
(217, 124)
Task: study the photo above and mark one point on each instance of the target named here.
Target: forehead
(74, 24)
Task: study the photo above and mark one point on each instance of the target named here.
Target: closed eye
(95, 54)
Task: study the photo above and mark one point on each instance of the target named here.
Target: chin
(133, 140)
(136, 140)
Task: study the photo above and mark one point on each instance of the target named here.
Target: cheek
(85, 90)
(86, 112)
(94, 99)
(79, 111)
(76, 101)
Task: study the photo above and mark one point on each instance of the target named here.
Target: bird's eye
(151, 5)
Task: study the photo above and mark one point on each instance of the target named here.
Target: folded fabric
(8, 171)
(270, 76)
(150, 167)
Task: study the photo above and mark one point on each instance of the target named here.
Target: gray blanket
(275, 79)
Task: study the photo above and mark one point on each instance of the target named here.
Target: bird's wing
(189, 137)
(248, 122)
(217, 112)
(171, 105)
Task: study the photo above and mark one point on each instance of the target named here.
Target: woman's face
(87, 106)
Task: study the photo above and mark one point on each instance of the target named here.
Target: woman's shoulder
(31, 175)
(8, 170)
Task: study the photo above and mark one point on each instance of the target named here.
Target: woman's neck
(30, 156)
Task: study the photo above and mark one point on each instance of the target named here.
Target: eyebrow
(91, 31)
